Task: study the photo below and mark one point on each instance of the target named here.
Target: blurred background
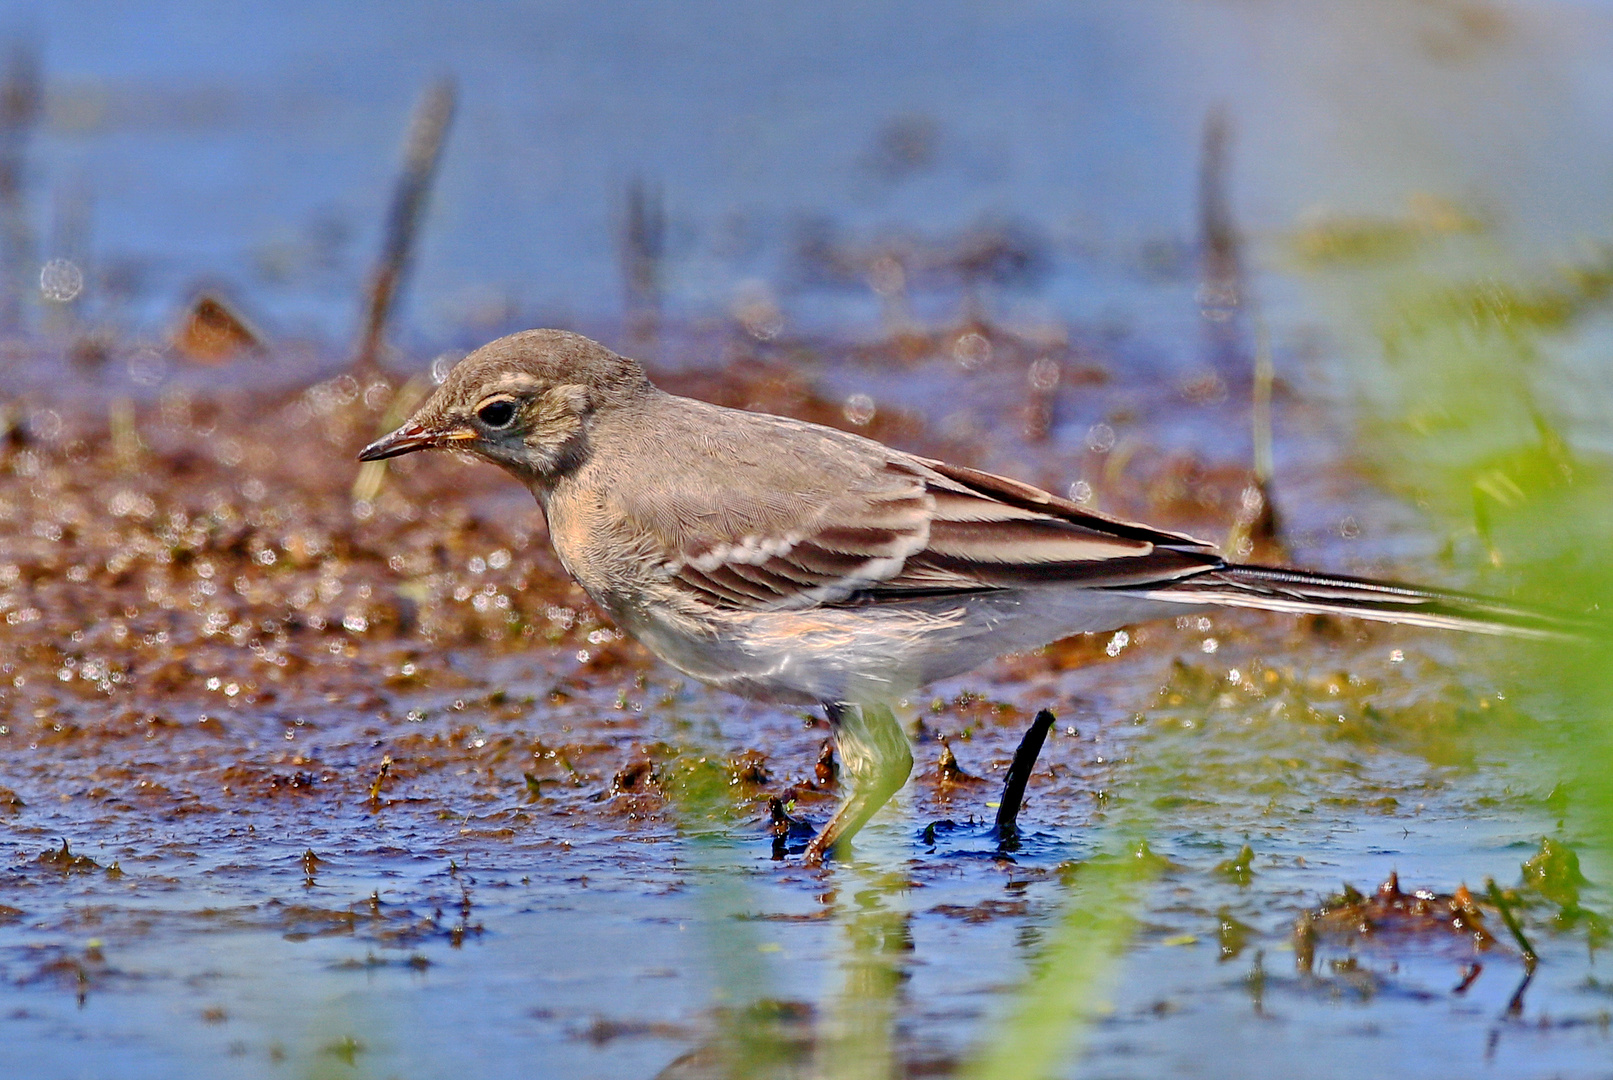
(307, 770)
(167, 147)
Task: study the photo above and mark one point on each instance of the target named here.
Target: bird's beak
(411, 437)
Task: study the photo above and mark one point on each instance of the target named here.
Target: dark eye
(497, 413)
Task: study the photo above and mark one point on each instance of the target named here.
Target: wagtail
(785, 560)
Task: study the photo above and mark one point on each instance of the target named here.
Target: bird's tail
(1299, 591)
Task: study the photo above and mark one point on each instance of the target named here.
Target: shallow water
(213, 651)
(207, 701)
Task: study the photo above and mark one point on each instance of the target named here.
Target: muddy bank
(260, 734)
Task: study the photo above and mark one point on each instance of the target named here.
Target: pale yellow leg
(876, 760)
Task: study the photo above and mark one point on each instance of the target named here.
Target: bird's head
(522, 402)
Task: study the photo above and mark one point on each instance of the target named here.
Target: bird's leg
(875, 755)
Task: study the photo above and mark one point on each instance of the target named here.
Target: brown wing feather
(1016, 493)
(925, 530)
(1000, 533)
(845, 520)
(819, 550)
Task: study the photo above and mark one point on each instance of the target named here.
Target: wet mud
(261, 733)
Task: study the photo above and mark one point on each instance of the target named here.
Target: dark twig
(380, 779)
(1222, 299)
(69, 241)
(1030, 747)
(1470, 975)
(1222, 296)
(1221, 279)
(21, 98)
(643, 246)
(1530, 957)
(1260, 421)
(1218, 232)
(427, 130)
(1515, 1004)
(1259, 517)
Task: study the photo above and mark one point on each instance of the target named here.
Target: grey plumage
(775, 557)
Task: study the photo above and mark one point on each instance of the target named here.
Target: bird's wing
(850, 521)
(995, 532)
(798, 546)
(743, 519)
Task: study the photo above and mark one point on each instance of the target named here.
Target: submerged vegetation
(1479, 417)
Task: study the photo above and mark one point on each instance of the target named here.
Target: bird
(789, 561)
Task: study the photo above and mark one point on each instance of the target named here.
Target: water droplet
(60, 281)
(147, 367)
(971, 351)
(859, 409)
(886, 276)
(1044, 374)
(1218, 301)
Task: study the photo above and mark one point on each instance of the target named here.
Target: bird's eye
(497, 413)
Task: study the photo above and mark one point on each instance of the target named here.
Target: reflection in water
(875, 925)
